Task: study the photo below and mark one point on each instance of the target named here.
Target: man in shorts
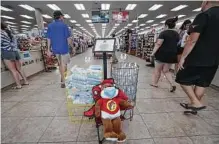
(59, 39)
(200, 58)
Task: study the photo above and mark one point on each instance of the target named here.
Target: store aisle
(38, 114)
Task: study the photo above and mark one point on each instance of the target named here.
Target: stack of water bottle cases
(80, 81)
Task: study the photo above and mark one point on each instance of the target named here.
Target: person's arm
(158, 43)
(196, 29)
(68, 36)
(49, 35)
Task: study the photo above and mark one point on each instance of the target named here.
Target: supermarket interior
(43, 112)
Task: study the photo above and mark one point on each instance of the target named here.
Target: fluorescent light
(46, 16)
(85, 15)
(135, 21)
(27, 7)
(142, 16)
(91, 24)
(103, 24)
(27, 17)
(8, 22)
(154, 25)
(44, 22)
(130, 6)
(155, 7)
(137, 27)
(147, 27)
(67, 16)
(180, 16)
(161, 16)
(179, 7)
(7, 17)
(162, 22)
(150, 21)
(142, 24)
(117, 24)
(25, 22)
(5, 9)
(79, 6)
(53, 7)
(129, 25)
(105, 6)
(73, 21)
(197, 10)
(13, 26)
(25, 26)
(142, 29)
(78, 25)
(126, 27)
(88, 21)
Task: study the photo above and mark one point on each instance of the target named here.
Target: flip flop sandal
(190, 112)
(184, 105)
(197, 108)
(17, 87)
(26, 84)
(154, 85)
(173, 89)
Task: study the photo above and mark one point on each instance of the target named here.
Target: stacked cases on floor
(139, 50)
(134, 43)
(149, 46)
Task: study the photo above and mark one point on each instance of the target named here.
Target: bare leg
(166, 72)
(199, 92)
(20, 71)
(11, 66)
(157, 73)
(189, 90)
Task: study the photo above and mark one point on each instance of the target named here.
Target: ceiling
(68, 7)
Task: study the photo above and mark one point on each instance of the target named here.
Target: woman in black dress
(165, 53)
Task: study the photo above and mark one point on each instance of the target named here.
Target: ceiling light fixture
(150, 21)
(155, 7)
(46, 16)
(25, 22)
(5, 9)
(91, 24)
(162, 22)
(137, 27)
(88, 21)
(67, 16)
(161, 16)
(135, 21)
(126, 27)
(85, 15)
(154, 25)
(142, 24)
(27, 17)
(7, 17)
(130, 6)
(79, 6)
(197, 10)
(8, 22)
(180, 16)
(142, 15)
(13, 26)
(117, 24)
(179, 7)
(53, 7)
(78, 25)
(129, 25)
(147, 27)
(25, 26)
(105, 6)
(27, 7)
(73, 21)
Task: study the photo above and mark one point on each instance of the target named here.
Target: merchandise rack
(149, 46)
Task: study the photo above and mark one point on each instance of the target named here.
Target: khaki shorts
(63, 58)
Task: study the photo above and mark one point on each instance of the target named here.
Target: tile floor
(38, 114)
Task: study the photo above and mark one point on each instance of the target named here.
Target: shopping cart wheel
(131, 114)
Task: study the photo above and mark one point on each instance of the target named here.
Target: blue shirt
(58, 33)
(6, 43)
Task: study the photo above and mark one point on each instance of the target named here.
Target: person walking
(59, 39)
(200, 58)
(11, 56)
(165, 53)
(117, 46)
(183, 34)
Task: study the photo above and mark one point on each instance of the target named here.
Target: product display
(80, 82)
